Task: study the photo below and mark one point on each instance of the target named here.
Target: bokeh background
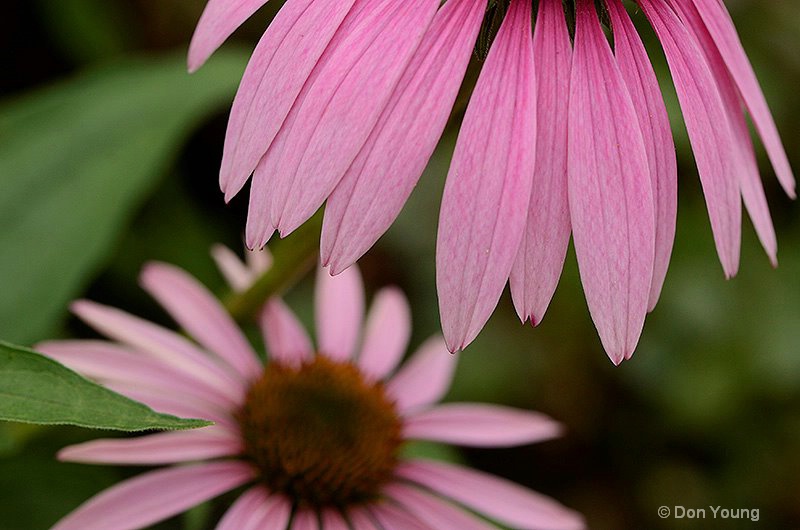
(108, 158)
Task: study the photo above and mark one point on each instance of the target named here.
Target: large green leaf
(37, 389)
(75, 161)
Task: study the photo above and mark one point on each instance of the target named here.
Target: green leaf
(76, 160)
(36, 389)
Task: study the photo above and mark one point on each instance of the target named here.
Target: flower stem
(292, 258)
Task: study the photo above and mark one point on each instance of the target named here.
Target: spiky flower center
(320, 433)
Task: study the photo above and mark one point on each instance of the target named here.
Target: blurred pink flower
(345, 101)
(315, 434)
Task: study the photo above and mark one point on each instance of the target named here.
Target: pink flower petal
(639, 77)
(496, 498)
(722, 30)
(280, 65)
(247, 511)
(160, 343)
(390, 516)
(156, 449)
(286, 338)
(201, 315)
(425, 378)
(360, 519)
(258, 261)
(305, 520)
(488, 187)
(341, 103)
(339, 312)
(538, 264)
(333, 520)
(377, 184)
(164, 400)
(278, 515)
(610, 197)
(259, 228)
(434, 511)
(106, 361)
(220, 18)
(257, 509)
(386, 333)
(235, 272)
(155, 496)
(708, 129)
(480, 425)
(746, 166)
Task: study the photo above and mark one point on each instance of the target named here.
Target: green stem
(292, 258)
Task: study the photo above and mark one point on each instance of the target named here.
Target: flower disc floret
(320, 433)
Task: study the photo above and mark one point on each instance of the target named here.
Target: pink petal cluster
(209, 379)
(344, 101)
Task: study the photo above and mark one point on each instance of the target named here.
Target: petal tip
(64, 455)
(451, 346)
(150, 270)
(617, 357)
(80, 306)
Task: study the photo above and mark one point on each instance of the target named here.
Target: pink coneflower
(314, 435)
(345, 101)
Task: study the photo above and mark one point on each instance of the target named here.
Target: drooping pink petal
(259, 229)
(156, 449)
(201, 315)
(488, 187)
(540, 259)
(639, 77)
(161, 343)
(708, 129)
(106, 361)
(257, 509)
(722, 30)
(339, 312)
(154, 496)
(332, 520)
(341, 103)
(378, 182)
(434, 511)
(496, 498)
(745, 166)
(610, 197)
(386, 333)
(425, 378)
(390, 516)
(286, 338)
(305, 519)
(220, 18)
(480, 425)
(280, 65)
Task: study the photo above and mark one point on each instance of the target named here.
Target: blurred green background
(108, 158)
